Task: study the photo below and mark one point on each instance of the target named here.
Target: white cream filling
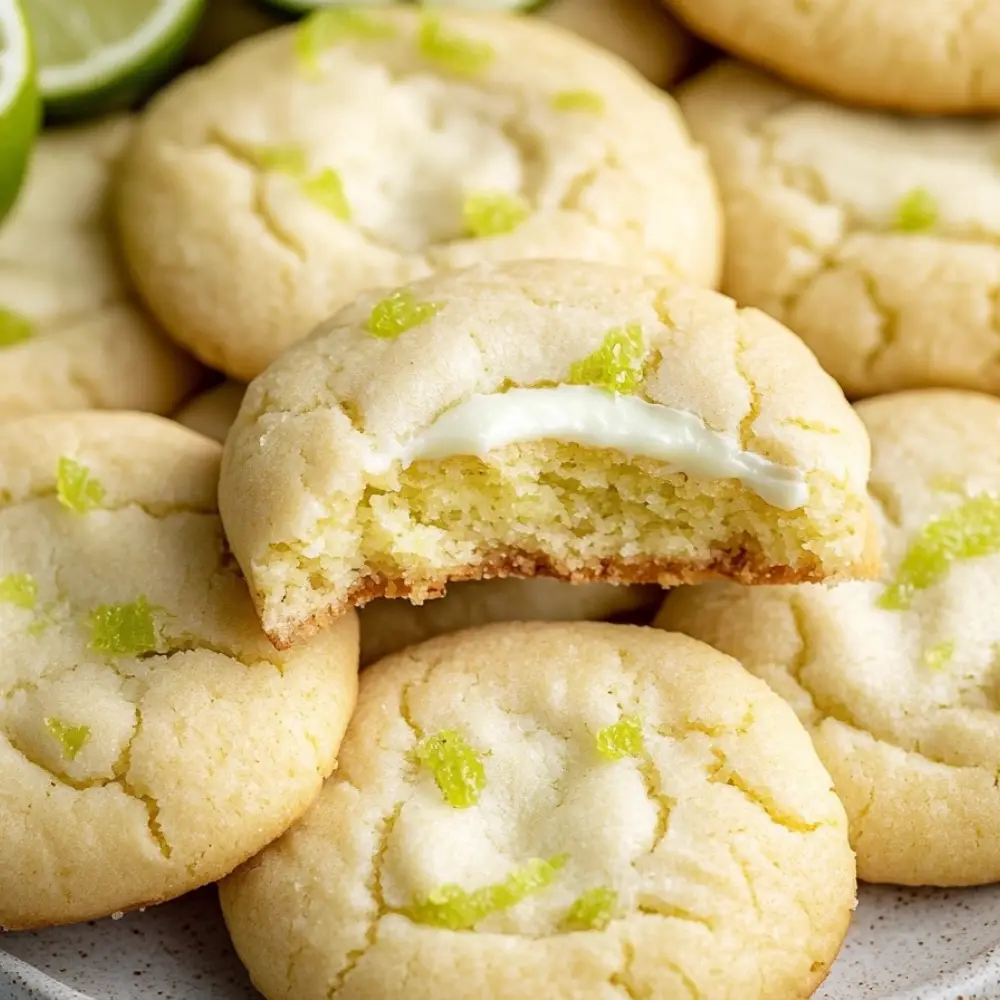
(584, 415)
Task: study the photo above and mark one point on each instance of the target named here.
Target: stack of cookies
(455, 274)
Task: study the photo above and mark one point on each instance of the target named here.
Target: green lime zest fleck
(124, 629)
(916, 211)
(493, 213)
(72, 739)
(451, 51)
(457, 768)
(398, 313)
(616, 365)
(968, 531)
(327, 190)
(578, 100)
(939, 655)
(453, 907)
(19, 589)
(621, 739)
(332, 26)
(14, 328)
(76, 488)
(592, 911)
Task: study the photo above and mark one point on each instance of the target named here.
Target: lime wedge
(20, 111)
(99, 55)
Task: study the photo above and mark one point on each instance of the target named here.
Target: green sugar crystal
(938, 656)
(578, 100)
(332, 26)
(20, 589)
(14, 328)
(398, 313)
(457, 768)
(968, 531)
(616, 365)
(621, 739)
(451, 51)
(916, 212)
(327, 190)
(493, 213)
(453, 907)
(72, 739)
(124, 629)
(592, 911)
(76, 488)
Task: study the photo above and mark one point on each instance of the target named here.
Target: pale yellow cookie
(932, 56)
(497, 828)
(541, 417)
(874, 238)
(897, 680)
(364, 148)
(71, 334)
(212, 412)
(151, 739)
(640, 31)
(390, 625)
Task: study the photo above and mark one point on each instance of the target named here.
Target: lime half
(98, 55)
(306, 6)
(19, 106)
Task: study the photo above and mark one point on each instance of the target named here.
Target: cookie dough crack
(377, 893)
(156, 510)
(258, 204)
(753, 411)
(194, 644)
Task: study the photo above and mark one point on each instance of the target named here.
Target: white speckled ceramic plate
(903, 945)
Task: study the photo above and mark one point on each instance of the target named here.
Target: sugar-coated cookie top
(363, 148)
(503, 789)
(930, 56)
(132, 672)
(897, 677)
(71, 335)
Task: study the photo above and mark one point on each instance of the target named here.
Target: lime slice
(19, 107)
(99, 55)
(306, 6)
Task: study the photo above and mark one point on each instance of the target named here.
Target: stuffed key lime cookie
(932, 56)
(542, 417)
(363, 148)
(212, 412)
(151, 739)
(897, 680)
(496, 828)
(874, 238)
(71, 334)
(388, 626)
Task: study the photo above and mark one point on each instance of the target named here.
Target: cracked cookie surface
(151, 739)
(635, 806)
(899, 680)
(320, 520)
(252, 206)
(931, 56)
(875, 238)
(390, 625)
(72, 335)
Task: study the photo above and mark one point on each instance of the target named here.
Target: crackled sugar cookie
(874, 238)
(388, 625)
(932, 56)
(71, 336)
(543, 417)
(212, 412)
(151, 739)
(364, 148)
(898, 680)
(496, 828)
